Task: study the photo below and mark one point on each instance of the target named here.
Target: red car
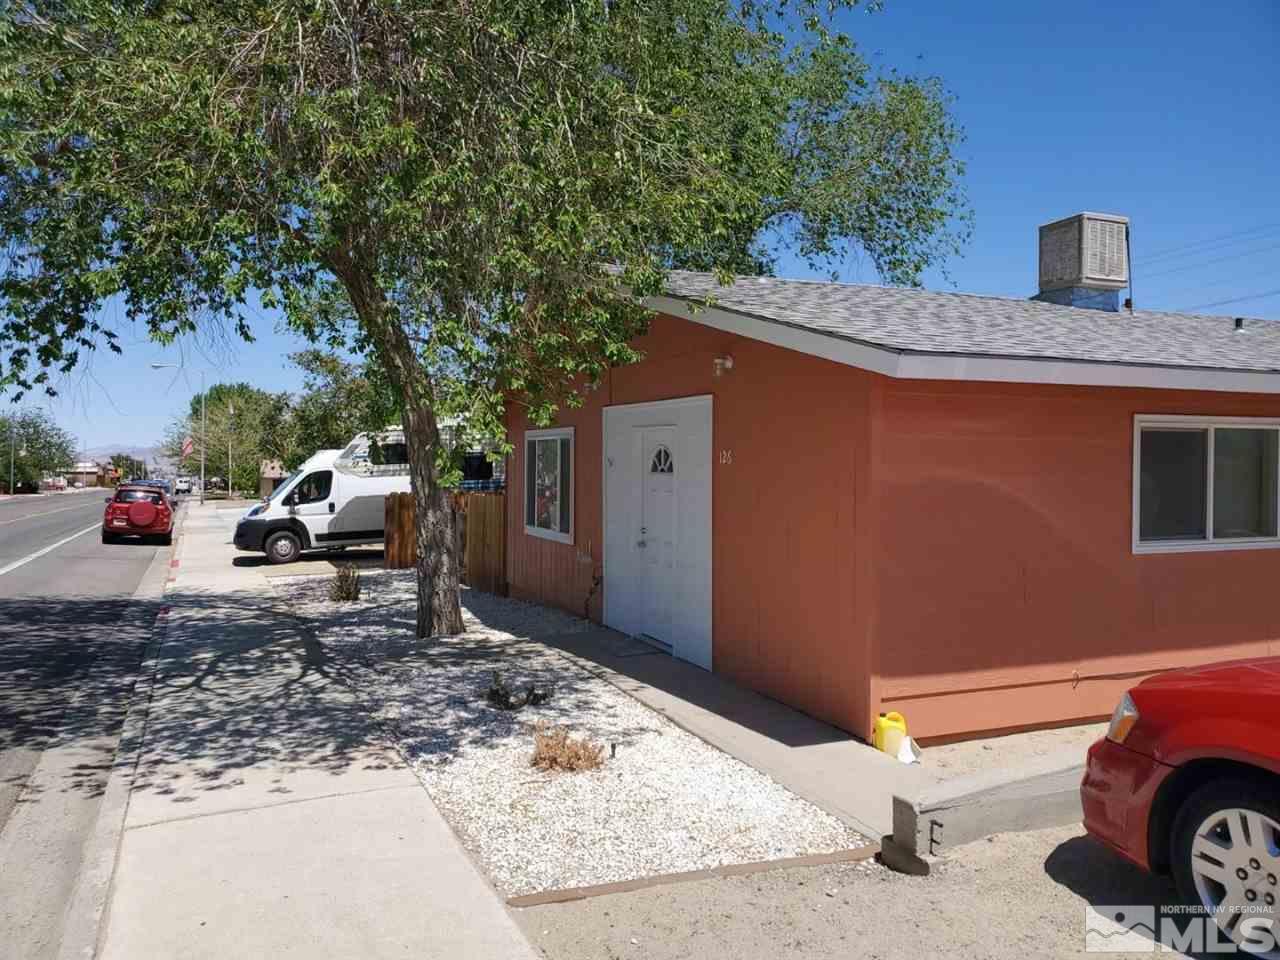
(1187, 782)
(138, 511)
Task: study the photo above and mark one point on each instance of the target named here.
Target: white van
(329, 502)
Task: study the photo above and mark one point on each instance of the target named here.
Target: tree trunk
(439, 612)
(438, 609)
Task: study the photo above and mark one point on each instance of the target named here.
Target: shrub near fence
(480, 523)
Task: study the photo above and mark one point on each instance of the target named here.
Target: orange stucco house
(984, 513)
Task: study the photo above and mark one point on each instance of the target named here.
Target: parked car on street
(138, 511)
(182, 485)
(1187, 782)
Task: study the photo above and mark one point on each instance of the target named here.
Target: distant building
(88, 473)
(270, 475)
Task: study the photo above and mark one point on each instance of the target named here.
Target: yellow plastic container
(889, 731)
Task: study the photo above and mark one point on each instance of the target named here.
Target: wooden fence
(399, 548)
(480, 523)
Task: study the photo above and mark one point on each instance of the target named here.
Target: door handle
(640, 544)
(331, 507)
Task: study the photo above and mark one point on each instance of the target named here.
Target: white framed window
(1205, 483)
(548, 484)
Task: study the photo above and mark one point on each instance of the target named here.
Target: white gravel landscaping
(665, 802)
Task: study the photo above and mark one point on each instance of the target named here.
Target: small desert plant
(554, 749)
(345, 584)
(502, 696)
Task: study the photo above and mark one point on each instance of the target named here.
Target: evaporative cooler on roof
(1086, 250)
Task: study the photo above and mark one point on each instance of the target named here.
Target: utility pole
(231, 426)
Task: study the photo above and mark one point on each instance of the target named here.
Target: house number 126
(726, 457)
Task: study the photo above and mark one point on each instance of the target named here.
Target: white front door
(656, 560)
(657, 550)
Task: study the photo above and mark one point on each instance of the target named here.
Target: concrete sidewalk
(267, 816)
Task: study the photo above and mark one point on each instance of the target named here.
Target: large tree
(128, 466)
(33, 446)
(442, 182)
(245, 426)
(340, 399)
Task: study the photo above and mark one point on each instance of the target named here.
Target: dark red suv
(138, 511)
(1187, 782)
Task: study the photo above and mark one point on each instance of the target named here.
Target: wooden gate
(485, 538)
(480, 522)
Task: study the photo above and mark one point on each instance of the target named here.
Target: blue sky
(1168, 112)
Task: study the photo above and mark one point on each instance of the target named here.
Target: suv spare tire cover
(142, 513)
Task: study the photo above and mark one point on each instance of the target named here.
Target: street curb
(87, 909)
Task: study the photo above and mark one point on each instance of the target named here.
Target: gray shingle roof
(922, 321)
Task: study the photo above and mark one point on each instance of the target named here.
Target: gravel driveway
(664, 802)
(1018, 896)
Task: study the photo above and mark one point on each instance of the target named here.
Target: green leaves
(440, 184)
(35, 445)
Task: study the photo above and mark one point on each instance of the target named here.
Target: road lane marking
(32, 516)
(49, 549)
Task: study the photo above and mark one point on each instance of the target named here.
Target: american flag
(187, 446)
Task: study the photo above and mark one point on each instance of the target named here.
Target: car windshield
(132, 496)
(284, 485)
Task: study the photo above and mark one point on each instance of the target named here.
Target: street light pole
(231, 426)
(204, 433)
(11, 449)
(204, 420)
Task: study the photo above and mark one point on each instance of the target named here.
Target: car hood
(1260, 672)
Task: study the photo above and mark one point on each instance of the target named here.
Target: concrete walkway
(812, 759)
(267, 817)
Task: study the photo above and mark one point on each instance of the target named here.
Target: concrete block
(1045, 793)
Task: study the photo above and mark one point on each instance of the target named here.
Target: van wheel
(283, 547)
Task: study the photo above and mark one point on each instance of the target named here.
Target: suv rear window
(132, 496)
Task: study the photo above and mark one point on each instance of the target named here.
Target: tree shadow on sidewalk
(238, 684)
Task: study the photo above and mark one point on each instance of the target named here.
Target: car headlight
(1122, 721)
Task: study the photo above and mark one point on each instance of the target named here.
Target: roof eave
(905, 364)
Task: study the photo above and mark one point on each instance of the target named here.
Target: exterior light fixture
(720, 364)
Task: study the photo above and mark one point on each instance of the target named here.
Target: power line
(1234, 281)
(1207, 263)
(1225, 240)
(1223, 303)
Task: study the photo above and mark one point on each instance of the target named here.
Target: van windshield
(278, 492)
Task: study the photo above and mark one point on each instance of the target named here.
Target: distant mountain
(149, 455)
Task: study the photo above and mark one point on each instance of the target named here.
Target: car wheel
(108, 537)
(1226, 858)
(283, 547)
(166, 539)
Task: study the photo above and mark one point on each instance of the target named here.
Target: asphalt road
(72, 635)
